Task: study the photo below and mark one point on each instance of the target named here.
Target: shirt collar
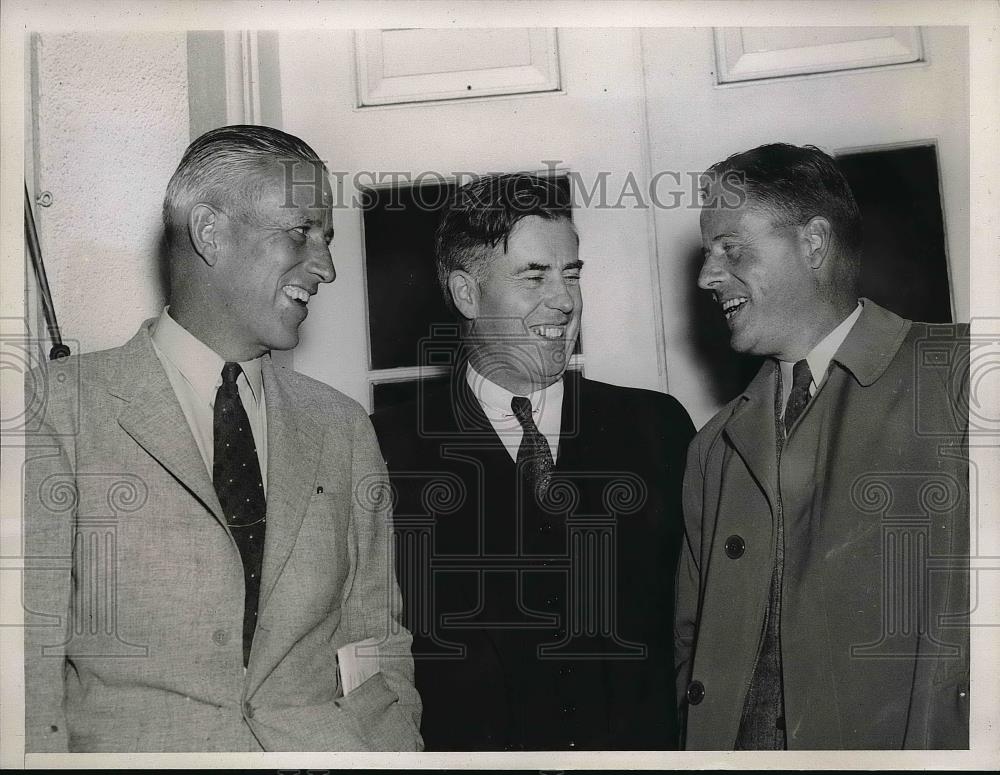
(254, 376)
(198, 363)
(820, 356)
(496, 399)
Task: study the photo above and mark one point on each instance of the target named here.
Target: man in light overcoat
(823, 585)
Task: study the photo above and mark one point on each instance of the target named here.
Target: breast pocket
(319, 562)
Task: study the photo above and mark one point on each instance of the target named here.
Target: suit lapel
(751, 430)
(472, 445)
(293, 450)
(154, 418)
(573, 444)
(475, 433)
(467, 414)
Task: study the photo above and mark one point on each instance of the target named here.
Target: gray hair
(225, 167)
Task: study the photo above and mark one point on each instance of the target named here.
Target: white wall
(111, 122)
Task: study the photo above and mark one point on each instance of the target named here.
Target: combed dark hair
(795, 184)
(483, 214)
(225, 166)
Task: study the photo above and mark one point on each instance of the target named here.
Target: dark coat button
(221, 637)
(735, 546)
(248, 710)
(695, 692)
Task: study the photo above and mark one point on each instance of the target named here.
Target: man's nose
(711, 273)
(321, 264)
(560, 296)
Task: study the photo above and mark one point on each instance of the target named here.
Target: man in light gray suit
(206, 532)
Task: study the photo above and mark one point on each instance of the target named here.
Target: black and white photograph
(509, 385)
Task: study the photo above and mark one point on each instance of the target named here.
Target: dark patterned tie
(237, 479)
(534, 457)
(799, 397)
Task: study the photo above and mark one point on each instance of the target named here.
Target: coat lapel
(573, 444)
(467, 416)
(872, 343)
(473, 430)
(866, 352)
(751, 430)
(154, 418)
(293, 449)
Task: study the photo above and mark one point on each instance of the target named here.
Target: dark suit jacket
(540, 626)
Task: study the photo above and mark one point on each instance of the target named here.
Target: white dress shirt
(195, 373)
(819, 357)
(546, 409)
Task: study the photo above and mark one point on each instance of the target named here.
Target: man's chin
(740, 342)
(749, 348)
(526, 381)
(549, 375)
(287, 340)
(522, 369)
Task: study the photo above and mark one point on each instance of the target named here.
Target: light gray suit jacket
(134, 586)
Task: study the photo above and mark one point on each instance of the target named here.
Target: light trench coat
(873, 487)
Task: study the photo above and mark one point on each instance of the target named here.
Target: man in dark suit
(823, 586)
(537, 512)
(208, 558)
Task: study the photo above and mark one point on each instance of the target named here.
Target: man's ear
(464, 293)
(204, 230)
(817, 235)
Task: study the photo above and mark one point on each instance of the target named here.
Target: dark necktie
(238, 483)
(534, 457)
(799, 397)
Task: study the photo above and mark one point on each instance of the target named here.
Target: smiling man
(822, 588)
(224, 550)
(539, 511)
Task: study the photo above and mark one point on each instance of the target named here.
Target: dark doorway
(905, 267)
